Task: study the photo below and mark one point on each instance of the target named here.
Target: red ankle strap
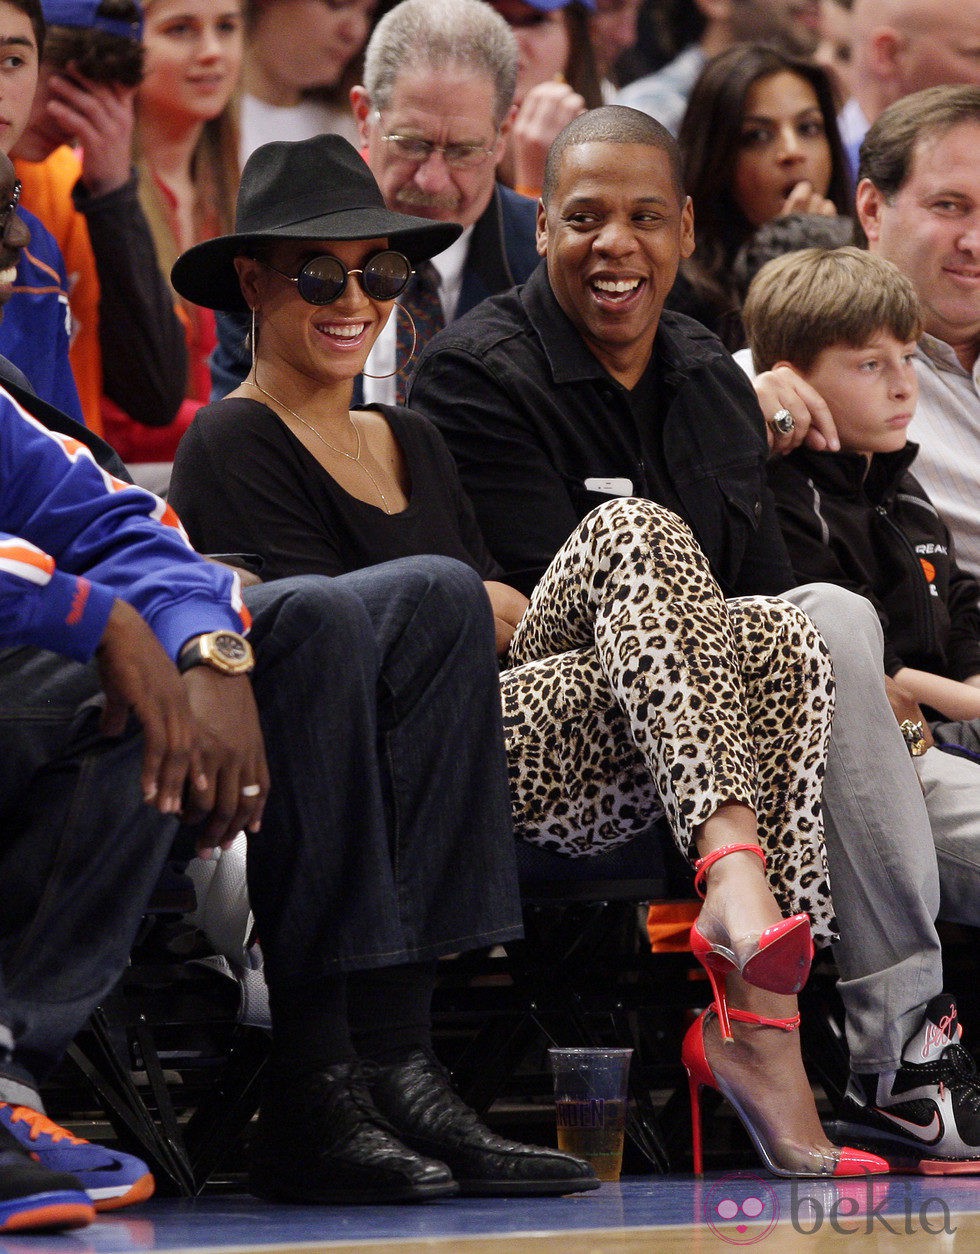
(745, 1016)
(704, 865)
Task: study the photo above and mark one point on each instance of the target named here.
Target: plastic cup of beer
(590, 1105)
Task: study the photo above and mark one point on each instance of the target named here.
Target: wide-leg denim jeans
(387, 837)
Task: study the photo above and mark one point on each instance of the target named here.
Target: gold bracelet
(915, 737)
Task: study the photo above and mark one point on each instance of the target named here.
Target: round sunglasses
(323, 279)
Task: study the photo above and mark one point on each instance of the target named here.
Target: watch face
(229, 646)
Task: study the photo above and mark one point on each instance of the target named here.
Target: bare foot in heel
(762, 1074)
(738, 904)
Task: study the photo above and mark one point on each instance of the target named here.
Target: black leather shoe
(319, 1138)
(416, 1096)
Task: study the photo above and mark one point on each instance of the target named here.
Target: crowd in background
(189, 89)
(193, 89)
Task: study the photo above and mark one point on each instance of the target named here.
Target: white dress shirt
(946, 427)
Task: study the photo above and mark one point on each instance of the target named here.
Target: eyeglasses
(323, 279)
(8, 210)
(464, 156)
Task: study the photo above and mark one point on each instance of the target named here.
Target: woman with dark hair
(759, 139)
(557, 79)
(302, 57)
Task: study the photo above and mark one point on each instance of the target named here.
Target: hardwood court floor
(641, 1215)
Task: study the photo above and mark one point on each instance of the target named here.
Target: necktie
(421, 299)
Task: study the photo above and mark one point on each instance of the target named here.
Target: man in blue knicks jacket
(100, 594)
(36, 334)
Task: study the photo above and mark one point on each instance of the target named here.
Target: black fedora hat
(319, 189)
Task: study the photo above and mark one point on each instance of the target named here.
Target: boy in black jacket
(847, 321)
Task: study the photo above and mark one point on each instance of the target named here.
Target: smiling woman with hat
(283, 468)
(319, 260)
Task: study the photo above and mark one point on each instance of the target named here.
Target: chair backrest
(637, 871)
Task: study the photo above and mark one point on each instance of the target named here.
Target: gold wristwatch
(915, 737)
(224, 651)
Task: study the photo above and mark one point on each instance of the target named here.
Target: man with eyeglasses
(14, 234)
(434, 113)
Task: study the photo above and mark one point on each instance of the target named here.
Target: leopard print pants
(634, 689)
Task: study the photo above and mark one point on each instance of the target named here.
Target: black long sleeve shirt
(243, 483)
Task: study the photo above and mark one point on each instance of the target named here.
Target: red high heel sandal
(851, 1162)
(779, 962)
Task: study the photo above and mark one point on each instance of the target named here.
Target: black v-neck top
(243, 483)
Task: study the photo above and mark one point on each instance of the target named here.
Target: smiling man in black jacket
(578, 387)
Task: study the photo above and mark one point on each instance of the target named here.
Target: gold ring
(915, 737)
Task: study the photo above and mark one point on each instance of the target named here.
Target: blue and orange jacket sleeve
(73, 538)
(35, 330)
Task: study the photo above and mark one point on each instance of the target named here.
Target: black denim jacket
(542, 434)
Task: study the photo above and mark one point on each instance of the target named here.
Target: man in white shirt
(918, 202)
(793, 27)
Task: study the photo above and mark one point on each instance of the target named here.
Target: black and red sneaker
(924, 1117)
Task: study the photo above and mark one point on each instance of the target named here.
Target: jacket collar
(680, 346)
(487, 256)
(845, 472)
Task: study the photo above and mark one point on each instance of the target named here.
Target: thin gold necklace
(351, 457)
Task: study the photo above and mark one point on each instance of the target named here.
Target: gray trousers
(903, 841)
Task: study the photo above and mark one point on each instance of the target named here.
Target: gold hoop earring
(411, 353)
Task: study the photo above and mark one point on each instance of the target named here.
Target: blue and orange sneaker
(33, 1197)
(110, 1178)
